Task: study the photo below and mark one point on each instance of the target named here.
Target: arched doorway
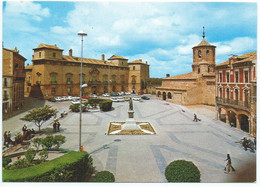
(244, 124)
(222, 114)
(169, 95)
(94, 90)
(159, 94)
(246, 97)
(232, 119)
(164, 95)
(105, 89)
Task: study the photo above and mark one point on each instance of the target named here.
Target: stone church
(197, 87)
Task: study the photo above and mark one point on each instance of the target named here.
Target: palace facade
(197, 87)
(54, 74)
(236, 92)
(13, 80)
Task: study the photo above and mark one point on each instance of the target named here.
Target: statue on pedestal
(130, 104)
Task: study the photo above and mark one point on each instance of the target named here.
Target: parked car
(59, 99)
(145, 97)
(75, 97)
(126, 98)
(127, 93)
(94, 95)
(114, 99)
(64, 98)
(120, 99)
(52, 100)
(105, 95)
(136, 99)
(112, 94)
(85, 97)
(74, 101)
(70, 98)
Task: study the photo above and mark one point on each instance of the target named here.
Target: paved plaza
(143, 158)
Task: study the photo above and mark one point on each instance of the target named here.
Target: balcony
(233, 103)
(5, 98)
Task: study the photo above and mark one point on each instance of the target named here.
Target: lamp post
(82, 34)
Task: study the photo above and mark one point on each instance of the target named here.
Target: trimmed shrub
(105, 105)
(20, 163)
(47, 142)
(72, 167)
(76, 108)
(37, 142)
(30, 155)
(58, 140)
(182, 171)
(6, 161)
(43, 155)
(104, 176)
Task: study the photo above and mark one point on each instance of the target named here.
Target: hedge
(182, 171)
(104, 176)
(105, 105)
(71, 167)
(76, 108)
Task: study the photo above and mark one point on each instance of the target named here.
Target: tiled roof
(114, 57)
(204, 43)
(48, 46)
(29, 67)
(176, 87)
(138, 61)
(183, 76)
(243, 58)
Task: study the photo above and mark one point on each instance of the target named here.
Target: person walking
(5, 137)
(9, 138)
(24, 129)
(229, 168)
(58, 126)
(195, 118)
(54, 126)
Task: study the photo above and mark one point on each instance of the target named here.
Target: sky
(161, 33)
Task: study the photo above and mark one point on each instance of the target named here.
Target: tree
(40, 115)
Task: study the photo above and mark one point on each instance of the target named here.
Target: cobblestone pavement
(143, 158)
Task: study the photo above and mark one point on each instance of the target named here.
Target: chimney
(167, 75)
(70, 52)
(103, 57)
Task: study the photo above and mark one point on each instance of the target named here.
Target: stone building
(13, 80)
(236, 92)
(197, 87)
(54, 74)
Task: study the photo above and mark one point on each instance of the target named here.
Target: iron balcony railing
(233, 103)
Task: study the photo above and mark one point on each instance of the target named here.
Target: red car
(85, 97)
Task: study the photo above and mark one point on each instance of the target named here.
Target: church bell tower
(204, 57)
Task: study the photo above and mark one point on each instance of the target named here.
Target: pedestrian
(5, 137)
(24, 129)
(54, 126)
(245, 143)
(9, 140)
(195, 118)
(229, 168)
(58, 126)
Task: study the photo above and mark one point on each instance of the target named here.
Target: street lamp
(82, 34)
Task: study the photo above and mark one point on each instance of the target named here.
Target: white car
(114, 99)
(69, 98)
(76, 98)
(64, 98)
(136, 99)
(59, 99)
(94, 95)
(74, 101)
(105, 95)
(127, 93)
(120, 99)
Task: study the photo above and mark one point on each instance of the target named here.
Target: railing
(5, 98)
(233, 103)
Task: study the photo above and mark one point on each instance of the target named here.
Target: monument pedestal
(130, 123)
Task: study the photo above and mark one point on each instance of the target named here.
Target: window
(16, 66)
(199, 54)
(5, 95)
(220, 77)
(94, 79)
(69, 90)
(5, 80)
(68, 80)
(220, 92)
(227, 76)
(114, 79)
(40, 54)
(122, 80)
(208, 69)
(27, 89)
(207, 53)
(53, 91)
(198, 70)
(53, 79)
(246, 76)
(236, 76)
(133, 67)
(105, 79)
(54, 55)
(39, 80)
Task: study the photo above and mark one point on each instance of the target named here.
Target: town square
(135, 96)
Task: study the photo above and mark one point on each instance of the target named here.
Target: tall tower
(203, 57)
